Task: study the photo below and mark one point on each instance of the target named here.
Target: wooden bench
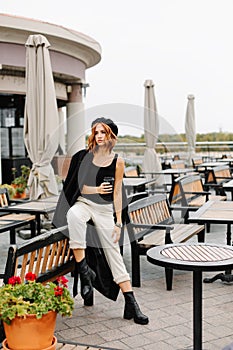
(47, 255)
(151, 223)
(188, 194)
(217, 176)
(11, 222)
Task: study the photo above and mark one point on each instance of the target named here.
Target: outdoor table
(208, 165)
(34, 207)
(173, 173)
(196, 257)
(136, 183)
(11, 226)
(217, 212)
(226, 160)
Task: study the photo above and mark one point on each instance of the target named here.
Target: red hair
(110, 136)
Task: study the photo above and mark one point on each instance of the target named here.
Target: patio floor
(170, 328)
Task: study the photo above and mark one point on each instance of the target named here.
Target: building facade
(71, 53)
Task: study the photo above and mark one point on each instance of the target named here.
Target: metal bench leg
(201, 236)
(12, 236)
(33, 228)
(136, 278)
(169, 277)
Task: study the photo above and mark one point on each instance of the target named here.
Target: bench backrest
(175, 195)
(178, 164)
(189, 184)
(219, 174)
(185, 183)
(150, 210)
(47, 255)
(197, 161)
(4, 197)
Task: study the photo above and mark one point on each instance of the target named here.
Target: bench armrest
(212, 185)
(198, 192)
(154, 226)
(224, 177)
(179, 207)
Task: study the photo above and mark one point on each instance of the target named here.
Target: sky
(184, 46)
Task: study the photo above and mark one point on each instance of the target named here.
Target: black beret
(109, 122)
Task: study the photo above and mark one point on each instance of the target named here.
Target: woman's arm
(104, 188)
(117, 193)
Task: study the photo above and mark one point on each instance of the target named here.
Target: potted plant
(28, 311)
(20, 182)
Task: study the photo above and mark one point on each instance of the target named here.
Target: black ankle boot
(87, 277)
(132, 309)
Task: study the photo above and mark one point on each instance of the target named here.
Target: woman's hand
(105, 188)
(116, 234)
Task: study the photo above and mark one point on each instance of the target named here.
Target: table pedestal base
(224, 277)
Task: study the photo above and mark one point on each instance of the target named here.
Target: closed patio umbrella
(40, 117)
(151, 162)
(190, 128)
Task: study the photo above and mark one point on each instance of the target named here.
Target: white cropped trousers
(102, 216)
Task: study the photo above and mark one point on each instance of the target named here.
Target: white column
(75, 120)
(62, 130)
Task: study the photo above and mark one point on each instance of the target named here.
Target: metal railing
(133, 152)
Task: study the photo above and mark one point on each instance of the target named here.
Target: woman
(99, 199)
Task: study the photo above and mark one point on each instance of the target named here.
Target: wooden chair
(14, 220)
(217, 176)
(188, 194)
(151, 223)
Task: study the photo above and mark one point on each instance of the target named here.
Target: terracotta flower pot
(31, 333)
(51, 347)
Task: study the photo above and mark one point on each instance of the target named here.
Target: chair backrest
(189, 184)
(197, 161)
(131, 171)
(176, 157)
(178, 164)
(217, 174)
(4, 197)
(61, 165)
(175, 195)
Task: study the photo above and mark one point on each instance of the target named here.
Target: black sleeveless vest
(95, 176)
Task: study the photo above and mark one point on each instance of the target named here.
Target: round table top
(192, 256)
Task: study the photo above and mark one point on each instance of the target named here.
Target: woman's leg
(77, 218)
(79, 254)
(104, 225)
